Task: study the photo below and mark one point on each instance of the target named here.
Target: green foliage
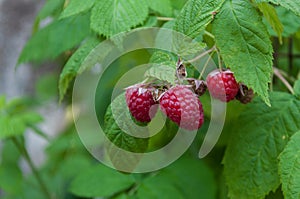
(164, 67)
(289, 168)
(100, 181)
(271, 17)
(118, 126)
(195, 16)
(170, 182)
(15, 118)
(297, 88)
(250, 161)
(76, 7)
(290, 21)
(71, 69)
(292, 5)
(112, 16)
(245, 45)
(49, 42)
(163, 7)
(51, 7)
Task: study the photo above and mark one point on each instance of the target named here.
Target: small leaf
(251, 158)
(271, 16)
(293, 5)
(73, 65)
(164, 67)
(111, 17)
(163, 7)
(196, 15)
(100, 181)
(289, 168)
(245, 45)
(76, 7)
(49, 42)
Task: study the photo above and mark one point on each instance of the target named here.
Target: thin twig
(164, 18)
(25, 154)
(283, 80)
(202, 54)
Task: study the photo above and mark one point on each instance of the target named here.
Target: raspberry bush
(238, 54)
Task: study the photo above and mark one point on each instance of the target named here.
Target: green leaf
(163, 7)
(118, 126)
(51, 7)
(289, 168)
(297, 88)
(290, 21)
(15, 117)
(245, 45)
(13, 125)
(100, 181)
(185, 178)
(56, 38)
(196, 15)
(164, 67)
(111, 17)
(293, 5)
(271, 16)
(76, 7)
(71, 69)
(251, 158)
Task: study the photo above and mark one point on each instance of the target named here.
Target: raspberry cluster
(181, 103)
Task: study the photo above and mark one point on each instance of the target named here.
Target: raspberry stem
(203, 54)
(206, 64)
(283, 80)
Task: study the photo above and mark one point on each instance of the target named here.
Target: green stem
(164, 18)
(206, 64)
(35, 172)
(219, 60)
(203, 54)
(209, 34)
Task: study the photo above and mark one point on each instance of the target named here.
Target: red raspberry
(222, 85)
(140, 103)
(183, 107)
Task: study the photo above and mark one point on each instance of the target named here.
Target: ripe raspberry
(183, 107)
(222, 85)
(140, 103)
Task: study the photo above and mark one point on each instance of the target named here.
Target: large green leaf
(195, 16)
(100, 181)
(54, 39)
(111, 17)
(251, 159)
(289, 168)
(164, 7)
(245, 45)
(74, 63)
(76, 7)
(293, 5)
